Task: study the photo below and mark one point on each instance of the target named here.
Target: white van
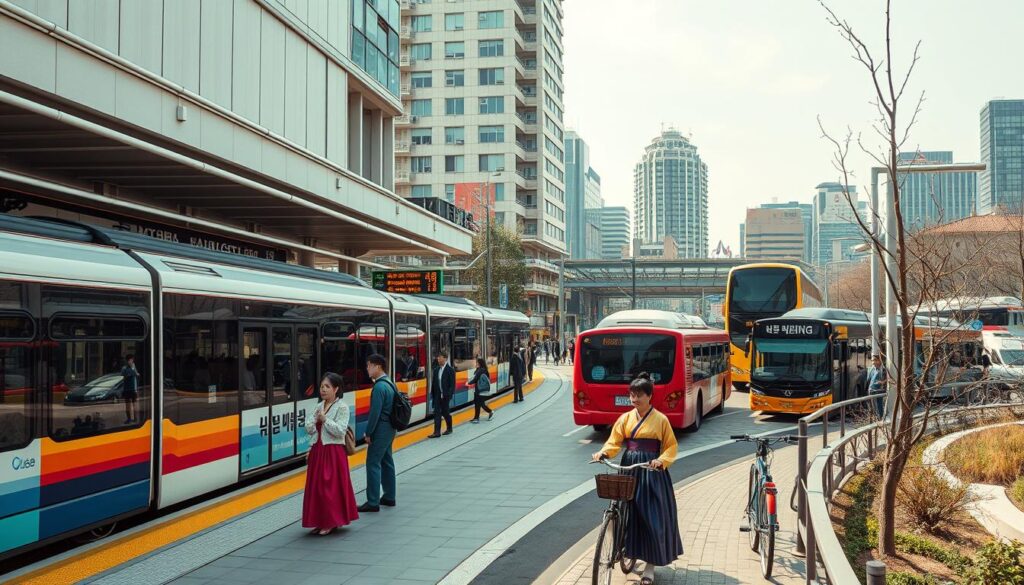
(1007, 353)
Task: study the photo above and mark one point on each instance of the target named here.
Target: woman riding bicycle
(652, 531)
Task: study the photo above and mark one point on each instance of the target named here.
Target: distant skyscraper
(615, 230)
(835, 223)
(582, 193)
(743, 240)
(774, 234)
(807, 213)
(670, 187)
(933, 198)
(1001, 184)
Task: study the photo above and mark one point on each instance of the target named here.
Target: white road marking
(574, 431)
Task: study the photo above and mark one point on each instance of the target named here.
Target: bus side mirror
(746, 347)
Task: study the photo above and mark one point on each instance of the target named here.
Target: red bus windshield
(617, 358)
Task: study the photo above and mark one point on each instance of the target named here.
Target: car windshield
(791, 360)
(1012, 357)
(103, 382)
(616, 358)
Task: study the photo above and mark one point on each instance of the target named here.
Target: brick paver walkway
(716, 552)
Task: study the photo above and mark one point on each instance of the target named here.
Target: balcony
(402, 177)
(538, 263)
(541, 288)
(526, 152)
(526, 68)
(405, 60)
(405, 120)
(527, 95)
(528, 124)
(406, 33)
(406, 89)
(525, 180)
(402, 148)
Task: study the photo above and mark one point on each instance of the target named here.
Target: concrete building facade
(481, 86)
(670, 186)
(260, 121)
(774, 234)
(615, 233)
(835, 223)
(807, 213)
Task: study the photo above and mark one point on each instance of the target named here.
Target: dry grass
(928, 500)
(994, 456)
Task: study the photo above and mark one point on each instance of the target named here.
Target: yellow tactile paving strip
(123, 549)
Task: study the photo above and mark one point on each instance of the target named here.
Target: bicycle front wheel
(753, 485)
(766, 536)
(605, 553)
(627, 564)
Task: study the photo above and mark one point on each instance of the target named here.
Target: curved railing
(832, 466)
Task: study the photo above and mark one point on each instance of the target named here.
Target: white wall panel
(272, 81)
(83, 79)
(215, 51)
(316, 101)
(142, 33)
(319, 18)
(337, 32)
(56, 11)
(96, 21)
(245, 60)
(295, 88)
(216, 135)
(337, 114)
(181, 42)
(27, 55)
(139, 101)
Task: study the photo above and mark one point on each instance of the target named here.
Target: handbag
(350, 441)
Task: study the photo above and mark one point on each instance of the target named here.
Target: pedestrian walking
(380, 437)
(130, 389)
(329, 502)
(876, 383)
(517, 369)
(441, 393)
(481, 383)
(547, 350)
(556, 350)
(572, 351)
(652, 528)
(531, 358)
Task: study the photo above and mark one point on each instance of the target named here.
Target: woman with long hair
(481, 383)
(652, 532)
(329, 501)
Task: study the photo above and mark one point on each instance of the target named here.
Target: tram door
(278, 385)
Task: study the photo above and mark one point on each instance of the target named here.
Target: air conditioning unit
(460, 142)
(499, 82)
(449, 82)
(457, 27)
(414, 119)
(483, 17)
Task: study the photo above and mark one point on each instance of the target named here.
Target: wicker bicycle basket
(613, 486)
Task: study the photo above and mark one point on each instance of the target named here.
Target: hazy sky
(748, 78)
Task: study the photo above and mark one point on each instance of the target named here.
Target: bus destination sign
(788, 329)
(410, 282)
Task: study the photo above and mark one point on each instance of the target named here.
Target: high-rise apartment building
(807, 213)
(774, 234)
(482, 87)
(582, 199)
(1001, 184)
(932, 198)
(670, 187)
(615, 230)
(836, 228)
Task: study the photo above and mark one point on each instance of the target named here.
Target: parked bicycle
(762, 521)
(618, 488)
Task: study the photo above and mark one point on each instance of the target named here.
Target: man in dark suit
(441, 391)
(517, 368)
(531, 355)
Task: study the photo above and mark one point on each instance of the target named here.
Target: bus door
(840, 370)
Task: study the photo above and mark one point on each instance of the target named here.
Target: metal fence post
(801, 485)
(876, 573)
(811, 560)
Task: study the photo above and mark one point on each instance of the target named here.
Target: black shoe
(433, 436)
(474, 420)
(387, 502)
(368, 508)
(448, 432)
(490, 415)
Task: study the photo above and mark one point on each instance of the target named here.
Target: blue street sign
(503, 296)
(976, 325)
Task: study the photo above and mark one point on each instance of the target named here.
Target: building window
(455, 21)
(449, 192)
(421, 191)
(424, 23)
(420, 52)
(422, 136)
(422, 108)
(492, 105)
(454, 50)
(499, 218)
(455, 78)
(492, 162)
(454, 106)
(421, 164)
(499, 191)
(492, 134)
(455, 135)
(492, 76)
(454, 163)
(492, 19)
(374, 43)
(493, 48)
(422, 79)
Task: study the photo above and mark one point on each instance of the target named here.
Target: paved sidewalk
(716, 552)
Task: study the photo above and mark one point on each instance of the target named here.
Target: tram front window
(795, 360)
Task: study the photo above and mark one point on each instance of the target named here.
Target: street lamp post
(487, 212)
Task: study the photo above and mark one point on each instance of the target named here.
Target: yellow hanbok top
(655, 427)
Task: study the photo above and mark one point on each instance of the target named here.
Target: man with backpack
(381, 426)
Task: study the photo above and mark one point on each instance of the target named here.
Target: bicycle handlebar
(622, 467)
(788, 439)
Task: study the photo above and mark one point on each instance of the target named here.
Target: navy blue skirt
(652, 533)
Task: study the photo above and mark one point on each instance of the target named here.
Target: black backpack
(401, 409)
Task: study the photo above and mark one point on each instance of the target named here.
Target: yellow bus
(760, 291)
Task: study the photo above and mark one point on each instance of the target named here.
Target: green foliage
(507, 267)
(1017, 491)
(913, 544)
(897, 578)
(997, 562)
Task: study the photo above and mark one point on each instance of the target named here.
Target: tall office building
(670, 187)
(615, 230)
(932, 198)
(582, 198)
(1001, 184)
(482, 87)
(836, 229)
(807, 213)
(774, 234)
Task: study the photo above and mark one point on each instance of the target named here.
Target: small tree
(507, 267)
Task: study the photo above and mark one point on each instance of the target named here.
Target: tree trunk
(887, 511)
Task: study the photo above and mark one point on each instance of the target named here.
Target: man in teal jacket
(380, 465)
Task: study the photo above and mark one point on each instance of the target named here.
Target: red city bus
(687, 360)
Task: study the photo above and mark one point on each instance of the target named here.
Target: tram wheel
(98, 533)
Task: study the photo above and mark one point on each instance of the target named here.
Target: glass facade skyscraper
(1001, 184)
(615, 232)
(932, 198)
(582, 195)
(670, 189)
(836, 229)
